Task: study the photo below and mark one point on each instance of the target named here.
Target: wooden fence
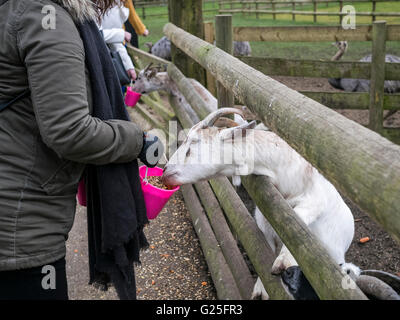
(220, 217)
(270, 7)
(142, 6)
(376, 102)
(354, 158)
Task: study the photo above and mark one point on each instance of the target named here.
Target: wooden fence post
(340, 10)
(273, 9)
(144, 12)
(376, 94)
(209, 37)
(224, 41)
(373, 10)
(315, 10)
(188, 15)
(257, 14)
(293, 9)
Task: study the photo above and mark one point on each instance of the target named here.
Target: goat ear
(230, 133)
(151, 73)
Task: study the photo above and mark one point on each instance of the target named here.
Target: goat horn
(375, 288)
(388, 278)
(211, 118)
(148, 66)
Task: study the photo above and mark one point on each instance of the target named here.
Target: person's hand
(128, 37)
(146, 33)
(152, 150)
(132, 74)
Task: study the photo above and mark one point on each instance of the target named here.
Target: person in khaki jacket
(46, 138)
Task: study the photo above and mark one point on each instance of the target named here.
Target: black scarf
(115, 204)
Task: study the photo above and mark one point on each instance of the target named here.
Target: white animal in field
(162, 48)
(361, 85)
(314, 199)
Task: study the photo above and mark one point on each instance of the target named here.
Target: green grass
(289, 50)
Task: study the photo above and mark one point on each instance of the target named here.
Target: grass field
(293, 50)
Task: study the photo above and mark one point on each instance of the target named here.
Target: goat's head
(211, 151)
(149, 79)
(341, 45)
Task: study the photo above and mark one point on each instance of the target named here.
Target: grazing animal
(162, 48)
(151, 79)
(241, 48)
(361, 85)
(312, 197)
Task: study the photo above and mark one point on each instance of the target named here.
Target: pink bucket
(82, 193)
(131, 97)
(154, 198)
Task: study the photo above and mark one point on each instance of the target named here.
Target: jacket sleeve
(115, 35)
(134, 19)
(55, 63)
(126, 59)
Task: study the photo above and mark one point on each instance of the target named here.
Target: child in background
(114, 34)
(134, 25)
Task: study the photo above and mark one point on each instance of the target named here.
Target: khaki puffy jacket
(46, 139)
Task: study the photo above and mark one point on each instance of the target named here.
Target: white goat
(151, 79)
(312, 197)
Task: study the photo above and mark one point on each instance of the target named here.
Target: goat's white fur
(314, 199)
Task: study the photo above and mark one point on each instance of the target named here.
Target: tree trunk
(187, 15)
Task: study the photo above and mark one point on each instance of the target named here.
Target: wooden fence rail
(330, 69)
(326, 278)
(318, 68)
(311, 33)
(142, 6)
(254, 7)
(355, 159)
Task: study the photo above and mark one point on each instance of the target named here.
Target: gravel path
(172, 268)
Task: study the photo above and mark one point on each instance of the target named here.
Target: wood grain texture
(221, 274)
(377, 76)
(227, 242)
(224, 41)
